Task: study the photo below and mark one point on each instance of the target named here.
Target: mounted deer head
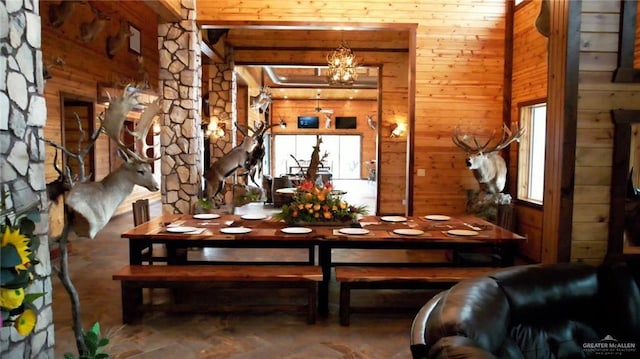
(117, 41)
(59, 13)
(261, 101)
(89, 30)
(488, 166)
(371, 122)
(60, 185)
(92, 204)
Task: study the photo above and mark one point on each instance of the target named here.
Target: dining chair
(140, 209)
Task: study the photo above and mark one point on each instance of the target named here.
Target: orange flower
(308, 205)
(327, 215)
(306, 185)
(316, 207)
(294, 214)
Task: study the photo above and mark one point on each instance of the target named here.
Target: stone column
(180, 88)
(22, 118)
(222, 92)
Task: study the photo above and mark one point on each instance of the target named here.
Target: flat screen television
(346, 122)
(308, 122)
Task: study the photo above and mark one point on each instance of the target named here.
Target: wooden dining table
(461, 232)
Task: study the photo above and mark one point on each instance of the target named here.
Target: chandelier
(342, 66)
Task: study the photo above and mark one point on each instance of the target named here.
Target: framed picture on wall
(134, 40)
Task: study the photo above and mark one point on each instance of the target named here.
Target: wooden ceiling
(305, 82)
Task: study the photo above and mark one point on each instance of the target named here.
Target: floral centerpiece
(17, 262)
(318, 204)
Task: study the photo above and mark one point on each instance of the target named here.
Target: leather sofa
(567, 310)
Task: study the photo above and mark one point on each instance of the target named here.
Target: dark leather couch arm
(419, 347)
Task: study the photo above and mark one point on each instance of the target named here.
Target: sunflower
(26, 322)
(11, 298)
(21, 244)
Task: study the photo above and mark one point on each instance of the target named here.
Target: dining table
(180, 232)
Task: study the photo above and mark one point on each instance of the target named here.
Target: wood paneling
(529, 83)
(86, 64)
(598, 95)
(458, 77)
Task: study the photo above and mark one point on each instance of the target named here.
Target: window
(343, 154)
(531, 152)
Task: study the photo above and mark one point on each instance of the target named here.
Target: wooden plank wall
(289, 110)
(86, 64)
(459, 81)
(529, 83)
(597, 97)
(394, 99)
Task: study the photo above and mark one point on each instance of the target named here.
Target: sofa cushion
(475, 308)
(620, 298)
(553, 339)
(567, 290)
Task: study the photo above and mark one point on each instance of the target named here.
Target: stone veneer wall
(22, 118)
(221, 102)
(181, 135)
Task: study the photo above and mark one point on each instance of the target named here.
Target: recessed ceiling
(303, 82)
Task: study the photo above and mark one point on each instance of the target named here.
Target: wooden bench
(136, 277)
(386, 277)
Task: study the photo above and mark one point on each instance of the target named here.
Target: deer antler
(116, 113)
(463, 142)
(146, 120)
(507, 138)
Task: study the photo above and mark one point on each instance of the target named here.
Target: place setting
(351, 231)
(296, 230)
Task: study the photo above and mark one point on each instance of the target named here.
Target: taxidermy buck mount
(116, 42)
(247, 155)
(262, 100)
(488, 166)
(61, 12)
(92, 204)
(89, 30)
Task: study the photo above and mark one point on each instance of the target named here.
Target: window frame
(523, 168)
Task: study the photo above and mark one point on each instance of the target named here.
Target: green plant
(205, 203)
(17, 264)
(94, 342)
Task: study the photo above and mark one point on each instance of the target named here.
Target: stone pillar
(180, 88)
(22, 119)
(222, 92)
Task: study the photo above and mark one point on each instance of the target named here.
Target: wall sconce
(397, 129)
(282, 122)
(215, 128)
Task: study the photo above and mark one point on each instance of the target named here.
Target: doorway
(77, 126)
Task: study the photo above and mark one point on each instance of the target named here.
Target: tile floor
(384, 334)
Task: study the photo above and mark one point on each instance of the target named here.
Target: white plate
(181, 229)
(393, 218)
(462, 232)
(206, 216)
(235, 230)
(253, 216)
(296, 230)
(408, 231)
(437, 217)
(353, 231)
